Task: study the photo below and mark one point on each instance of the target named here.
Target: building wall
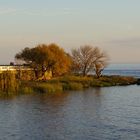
(12, 68)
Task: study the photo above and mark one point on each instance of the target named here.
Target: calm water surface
(111, 113)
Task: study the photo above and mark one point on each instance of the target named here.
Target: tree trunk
(84, 71)
(36, 73)
(98, 72)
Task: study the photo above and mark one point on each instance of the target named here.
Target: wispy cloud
(65, 11)
(126, 40)
(48, 13)
(4, 11)
(129, 42)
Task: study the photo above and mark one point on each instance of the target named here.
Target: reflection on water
(99, 113)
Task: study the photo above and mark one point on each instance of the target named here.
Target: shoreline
(72, 82)
(11, 84)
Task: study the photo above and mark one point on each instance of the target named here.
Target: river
(110, 113)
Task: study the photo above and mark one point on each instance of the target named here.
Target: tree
(88, 58)
(60, 60)
(44, 58)
(99, 67)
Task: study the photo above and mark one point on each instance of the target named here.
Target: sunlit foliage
(44, 58)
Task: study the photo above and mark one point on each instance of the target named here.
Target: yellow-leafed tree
(44, 58)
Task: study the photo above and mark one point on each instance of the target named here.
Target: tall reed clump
(25, 75)
(42, 87)
(75, 82)
(8, 82)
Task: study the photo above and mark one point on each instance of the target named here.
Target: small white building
(13, 68)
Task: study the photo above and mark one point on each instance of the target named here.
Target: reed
(9, 82)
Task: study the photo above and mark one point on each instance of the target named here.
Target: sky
(112, 25)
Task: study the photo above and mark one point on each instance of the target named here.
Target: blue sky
(113, 25)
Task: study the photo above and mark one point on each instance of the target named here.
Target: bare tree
(88, 58)
(99, 67)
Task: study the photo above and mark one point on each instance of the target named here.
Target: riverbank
(76, 83)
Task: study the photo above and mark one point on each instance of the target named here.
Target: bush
(47, 87)
(26, 90)
(72, 86)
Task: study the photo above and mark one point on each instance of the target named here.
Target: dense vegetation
(44, 58)
(72, 82)
(11, 82)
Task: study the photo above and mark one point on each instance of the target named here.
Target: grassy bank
(10, 82)
(76, 83)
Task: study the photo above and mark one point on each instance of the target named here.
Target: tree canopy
(46, 57)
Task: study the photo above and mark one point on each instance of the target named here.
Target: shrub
(47, 87)
(72, 86)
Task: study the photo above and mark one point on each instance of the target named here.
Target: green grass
(72, 86)
(9, 83)
(43, 87)
(71, 82)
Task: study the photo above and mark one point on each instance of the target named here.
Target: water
(134, 73)
(111, 113)
(123, 69)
